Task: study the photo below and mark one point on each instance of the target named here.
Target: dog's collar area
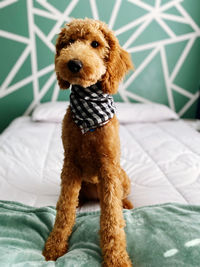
(92, 130)
(91, 107)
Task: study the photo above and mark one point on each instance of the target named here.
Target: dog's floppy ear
(118, 64)
(60, 43)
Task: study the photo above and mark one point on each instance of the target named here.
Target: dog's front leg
(56, 245)
(112, 235)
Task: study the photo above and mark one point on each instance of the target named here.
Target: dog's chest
(88, 158)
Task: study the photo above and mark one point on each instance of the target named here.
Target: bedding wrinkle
(54, 155)
(19, 188)
(165, 129)
(14, 125)
(160, 168)
(149, 186)
(47, 152)
(191, 162)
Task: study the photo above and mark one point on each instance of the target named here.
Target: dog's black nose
(75, 65)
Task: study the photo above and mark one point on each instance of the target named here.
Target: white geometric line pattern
(148, 47)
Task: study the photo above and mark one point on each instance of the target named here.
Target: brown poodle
(89, 57)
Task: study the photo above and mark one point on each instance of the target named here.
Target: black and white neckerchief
(91, 107)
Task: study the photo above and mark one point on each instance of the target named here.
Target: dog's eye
(71, 41)
(94, 44)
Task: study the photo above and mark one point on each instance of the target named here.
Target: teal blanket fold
(157, 236)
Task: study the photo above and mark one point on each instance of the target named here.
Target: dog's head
(88, 52)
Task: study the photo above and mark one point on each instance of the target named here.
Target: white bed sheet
(162, 159)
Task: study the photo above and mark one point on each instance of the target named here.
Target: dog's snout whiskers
(74, 65)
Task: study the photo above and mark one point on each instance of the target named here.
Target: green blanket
(157, 236)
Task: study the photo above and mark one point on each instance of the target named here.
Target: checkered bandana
(91, 108)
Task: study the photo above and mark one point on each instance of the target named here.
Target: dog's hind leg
(56, 244)
(112, 235)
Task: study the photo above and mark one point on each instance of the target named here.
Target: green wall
(163, 37)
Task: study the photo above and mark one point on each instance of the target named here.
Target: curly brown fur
(91, 160)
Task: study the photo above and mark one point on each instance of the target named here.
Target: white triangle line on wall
(182, 59)
(44, 14)
(16, 86)
(94, 9)
(141, 4)
(122, 93)
(137, 97)
(29, 4)
(135, 35)
(188, 18)
(132, 24)
(62, 18)
(49, 7)
(141, 67)
(14, 37)
(182, 91)
(56, 91)
(169, 5)
(189, 104)
(41, 94)
(165, 27)
(7, 3)
(44, 39)
(114, 14)
(169, 41)
(15, 68)
(25, 81)
(57, 28)
(157, 4)
(174, 18)
(70, 7)
(166, 77)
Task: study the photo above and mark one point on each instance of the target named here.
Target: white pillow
(50, 111)
(126, 112)
(140, 112)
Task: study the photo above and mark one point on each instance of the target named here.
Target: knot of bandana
(91, 107)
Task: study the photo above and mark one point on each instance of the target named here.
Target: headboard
(163, 37)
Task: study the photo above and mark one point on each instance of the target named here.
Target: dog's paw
(121, 263)
(117, 260)
(54, 250)
(127, 204)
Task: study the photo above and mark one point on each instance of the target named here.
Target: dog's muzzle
(74, 65)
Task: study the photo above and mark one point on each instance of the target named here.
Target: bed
(161, 155)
